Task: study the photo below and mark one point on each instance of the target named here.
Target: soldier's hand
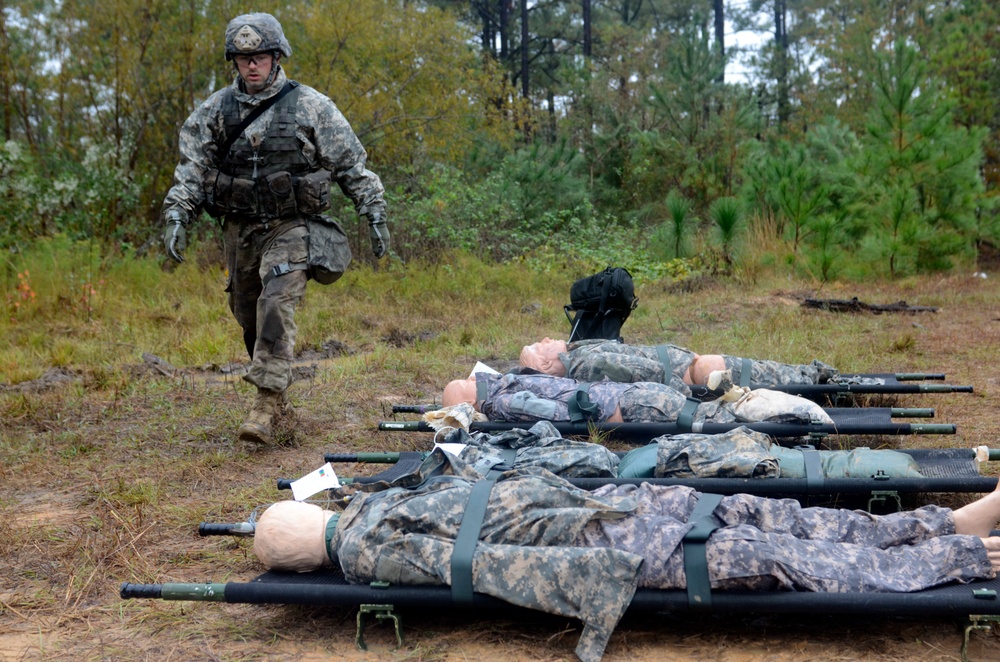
(378, 230)
(175, 234)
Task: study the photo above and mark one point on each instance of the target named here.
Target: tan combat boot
(257, 428)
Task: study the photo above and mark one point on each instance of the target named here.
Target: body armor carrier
(270, 181)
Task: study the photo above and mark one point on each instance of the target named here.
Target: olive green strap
(468, 537)
(813, 466)
(579, 406)
(661, 353)
(481, 390)
(699, 586)
(685, 419)
(746, 371)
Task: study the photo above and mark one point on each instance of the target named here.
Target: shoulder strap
(254, 114)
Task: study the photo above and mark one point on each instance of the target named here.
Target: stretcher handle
(404, 426)
(917, 376)
(376, 458)
(243, 529)
(933, 428)
(152, 591)
(943, 388)
(414, 409)
(286, 483)
(912, 412)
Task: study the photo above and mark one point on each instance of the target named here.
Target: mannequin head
(458, 391)
(291, 535)
(543, 356)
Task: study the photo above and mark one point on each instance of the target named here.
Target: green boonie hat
(255, 33)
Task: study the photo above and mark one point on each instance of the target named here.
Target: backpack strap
(608, 273)
(699, 586)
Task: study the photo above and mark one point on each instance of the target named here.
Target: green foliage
(727, 216)
(93, 94)
(919, 171)
(675, 233)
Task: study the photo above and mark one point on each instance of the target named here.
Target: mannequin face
(543, 356)
(458, 391)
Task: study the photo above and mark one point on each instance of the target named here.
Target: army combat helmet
(256, 33)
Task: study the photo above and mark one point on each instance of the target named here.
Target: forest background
(863, 138)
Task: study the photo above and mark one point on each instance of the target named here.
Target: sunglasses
(256, 59)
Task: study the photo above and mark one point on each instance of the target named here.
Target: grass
(106, 477)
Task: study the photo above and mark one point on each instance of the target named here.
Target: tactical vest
(280, 149)
(274, 181)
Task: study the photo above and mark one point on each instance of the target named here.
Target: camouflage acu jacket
(326, 138)
(594, 360)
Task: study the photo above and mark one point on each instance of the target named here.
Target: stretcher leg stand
(381, 612)
(977, 622)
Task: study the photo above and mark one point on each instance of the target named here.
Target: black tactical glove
(175, 233)
(378, 230)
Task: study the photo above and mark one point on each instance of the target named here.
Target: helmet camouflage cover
(255, 33)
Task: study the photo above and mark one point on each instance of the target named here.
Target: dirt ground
(74, 525)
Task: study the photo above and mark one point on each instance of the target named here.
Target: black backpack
(602, 303)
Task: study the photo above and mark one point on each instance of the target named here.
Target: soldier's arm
(339, 151)
(198, 144)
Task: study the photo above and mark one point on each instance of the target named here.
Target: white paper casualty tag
(454, 449)
(482, 367)
(323, 478)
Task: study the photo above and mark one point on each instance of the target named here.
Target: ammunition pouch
(278, 195)
(312, 192)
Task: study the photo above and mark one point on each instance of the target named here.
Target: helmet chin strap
(274, 69)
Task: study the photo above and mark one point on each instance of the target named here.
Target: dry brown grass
(105, 479)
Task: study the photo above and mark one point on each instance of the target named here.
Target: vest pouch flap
(278, 201)
(312, 192)
(242, 196)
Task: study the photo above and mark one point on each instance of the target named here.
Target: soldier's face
(254, 70)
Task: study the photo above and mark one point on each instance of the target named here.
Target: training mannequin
(593, 360)
(590, 550)
(527, 398)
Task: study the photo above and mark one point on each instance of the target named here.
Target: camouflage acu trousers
(776, 544)
(774, 373)
(266, 313)
(659, 403)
